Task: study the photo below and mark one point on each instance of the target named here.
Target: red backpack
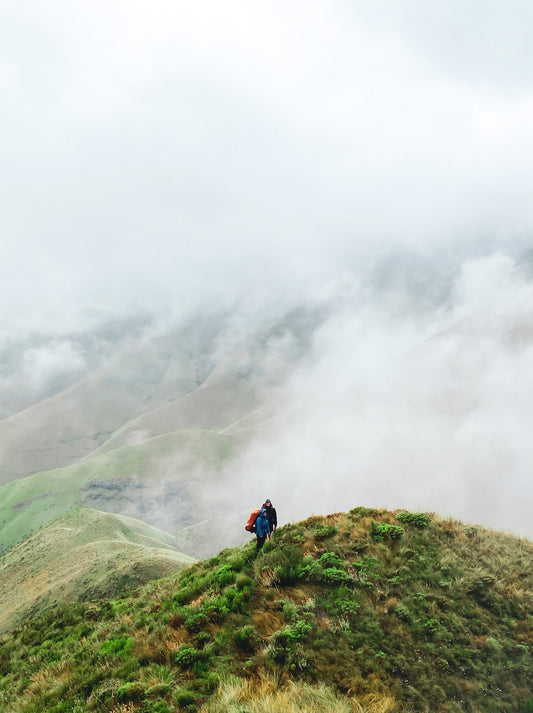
(250, 525)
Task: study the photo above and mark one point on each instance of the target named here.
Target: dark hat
(268, 501)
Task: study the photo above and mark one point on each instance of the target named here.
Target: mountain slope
(71, 424)
(215, 405)
(161, 479)
(367, 611)
(140, 383)
(84, 555)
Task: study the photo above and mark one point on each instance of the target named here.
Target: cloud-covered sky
(168, 157)
(173, 152)
(420, 410)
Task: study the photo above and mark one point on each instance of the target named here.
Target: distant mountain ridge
(153, 425)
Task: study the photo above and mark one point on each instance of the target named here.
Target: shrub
(362, 512)
(322, 532)
(285, 645)
(288, 565)
(380, 531)
(243, 581)
(402, 612)
(187, 656)
(202, 638)
(470, 531)
(290, 611)
(245, 639)
(431, 626)
(195, 621)
(159, 690)
(331, 559)
(332, 575)
(116, 647)
(417, 519)
(225, 575)
(156, 707)
(234, 600)
(184, 595)
(132, 691)
(298, 630)
(216, 608)
(185, 698)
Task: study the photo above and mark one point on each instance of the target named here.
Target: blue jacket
(263, 528)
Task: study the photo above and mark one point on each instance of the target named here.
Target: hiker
(262, 528)
(272, 517)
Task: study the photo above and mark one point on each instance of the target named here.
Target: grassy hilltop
(367, 611)
(84, 555)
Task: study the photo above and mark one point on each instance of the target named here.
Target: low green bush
(285, 646)
(116, 647)
(402, 612)
(380, 531)
(334, 576)
(131, 691)
(225, 575)
(331, 559)
(187, 656)
(243, 580)
(246, 639)
(196, 621)
(322, 532)
(417, 519)
(156, 707)
(185, 698)
(159, 690)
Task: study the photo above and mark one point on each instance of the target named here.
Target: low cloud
(409, 410)
(364, 164)
(42, 364)
(166, 158)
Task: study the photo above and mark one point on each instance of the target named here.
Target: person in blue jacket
(263, 528)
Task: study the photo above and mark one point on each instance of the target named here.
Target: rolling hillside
(141, 375)
(144, 382)
(160, 479)
(143, 433)
(368, 611)
(81, 556)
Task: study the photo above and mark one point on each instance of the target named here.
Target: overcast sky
(165, 152)
(167, 156)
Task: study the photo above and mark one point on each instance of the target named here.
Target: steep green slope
(84, 555)
(160, 476)
(367, 611)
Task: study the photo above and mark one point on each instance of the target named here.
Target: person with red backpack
(262, 528)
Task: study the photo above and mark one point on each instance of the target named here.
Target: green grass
(438, 620)
(83, 555)
(30, 502)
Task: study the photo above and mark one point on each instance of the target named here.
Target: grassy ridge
(83, 555)
(366, 611)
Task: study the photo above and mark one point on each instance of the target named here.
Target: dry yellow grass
(267, 696)
(267, 623)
